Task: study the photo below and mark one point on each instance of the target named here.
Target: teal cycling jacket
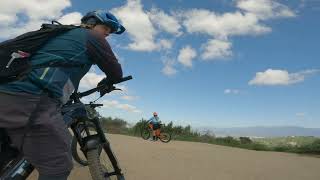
(77, 46)
(154, 120)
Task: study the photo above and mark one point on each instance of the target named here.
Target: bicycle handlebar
(127, 78)
(94, 105)
(104, 83)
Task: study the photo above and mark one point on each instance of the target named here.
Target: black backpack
(15, 53)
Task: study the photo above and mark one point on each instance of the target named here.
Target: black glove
(106, 87)
(103, 82)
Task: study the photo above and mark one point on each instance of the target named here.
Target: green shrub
(245, 140)
(313, 148)
(229, 141)
(257, 147)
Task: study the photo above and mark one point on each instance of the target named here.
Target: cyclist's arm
(101, 54)
(149, 120)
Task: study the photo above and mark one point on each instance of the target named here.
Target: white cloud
(265, 9)
(224, 25)
(34, 9)
(110, 104)
(165, 22)
(118, 105)
(186, 54)
(300, 114)
(138, 25)
(165, 44)
(7, 19)
(169, 68)
(18, 16)
(129, 108)
(248, 20)
(90, 80)
(12, 31)
(71, 18)
(231, 91)
(216, 49)
(129, 98)
(280, 77)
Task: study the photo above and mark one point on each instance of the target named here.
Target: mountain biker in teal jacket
(46, 144)
(154, 124)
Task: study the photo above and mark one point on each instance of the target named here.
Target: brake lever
(106, 90)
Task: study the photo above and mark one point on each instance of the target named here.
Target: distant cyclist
(154, 124)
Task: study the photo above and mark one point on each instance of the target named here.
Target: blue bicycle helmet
(104, 17)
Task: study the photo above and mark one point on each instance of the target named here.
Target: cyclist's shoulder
(78, 32)
(76, 35)
(94, 37)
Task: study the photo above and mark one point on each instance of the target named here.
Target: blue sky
(206, 63)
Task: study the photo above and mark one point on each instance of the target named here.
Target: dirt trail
(146, 160)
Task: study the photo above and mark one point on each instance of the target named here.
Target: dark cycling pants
(155, 126)
(47, 143)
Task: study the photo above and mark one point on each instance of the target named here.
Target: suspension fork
(94, 141)
(106, 145)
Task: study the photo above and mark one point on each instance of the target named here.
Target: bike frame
(160, 129)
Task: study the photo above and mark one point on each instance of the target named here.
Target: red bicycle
(146, 133)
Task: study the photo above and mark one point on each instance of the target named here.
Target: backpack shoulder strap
(57, 25)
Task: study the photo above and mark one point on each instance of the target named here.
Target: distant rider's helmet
(105, 18)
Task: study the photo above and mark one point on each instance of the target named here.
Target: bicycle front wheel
(145, 133)
(165, 137)
(100, 165)
(77, 154)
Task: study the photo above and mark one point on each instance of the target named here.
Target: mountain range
(261, 131)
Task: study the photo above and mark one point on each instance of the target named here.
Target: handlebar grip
(123, 79)
(97, 105)
(94, 105)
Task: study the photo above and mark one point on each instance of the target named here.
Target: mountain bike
(89, 140)
(146, 133)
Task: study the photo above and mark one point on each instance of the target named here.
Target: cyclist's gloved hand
(102, 82)
(107, 86)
